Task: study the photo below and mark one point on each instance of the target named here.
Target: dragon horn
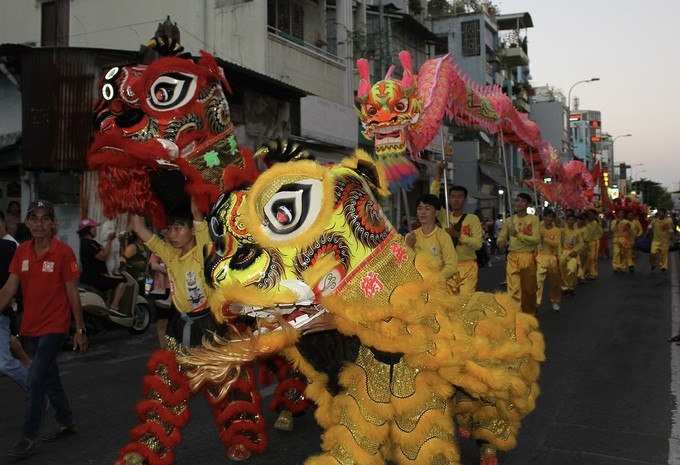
(405, 58)
(364, 79)
(389, 72)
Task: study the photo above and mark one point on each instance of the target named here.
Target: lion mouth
(297, 314)
(271, 319)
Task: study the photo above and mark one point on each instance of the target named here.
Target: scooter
(137, 309)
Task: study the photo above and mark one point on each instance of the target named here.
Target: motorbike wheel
(142, 319)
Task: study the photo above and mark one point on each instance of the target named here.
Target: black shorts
(163, 312)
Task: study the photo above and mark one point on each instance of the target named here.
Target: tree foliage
(458, 7)
(653, 194)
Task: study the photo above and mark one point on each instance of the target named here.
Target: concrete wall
(550, 117)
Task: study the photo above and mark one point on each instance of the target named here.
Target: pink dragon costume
(163, 133)
(403, 116)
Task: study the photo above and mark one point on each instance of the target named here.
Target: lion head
(163, 132)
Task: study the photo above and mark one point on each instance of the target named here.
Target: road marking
(674, 440)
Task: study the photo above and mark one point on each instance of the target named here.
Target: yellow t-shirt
(528, 234)
(622, 230)
(439, 244)
(572, 239)
(636, 227)
(470, 240)
(188, 288)
(551, 240)
(662, 230)
(593, 231)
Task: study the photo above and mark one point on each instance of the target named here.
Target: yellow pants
(568, 271)
(621, 258)
(661, 249)
(465, 281)
(593, 253)
(520, 274)
(583, 262)
(548, 265)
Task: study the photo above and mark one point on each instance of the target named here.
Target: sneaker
(631, 269)
(116, 312)
(556, 307)
(663, 270)
(60, 433)
(22, 449)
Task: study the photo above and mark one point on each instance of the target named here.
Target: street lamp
(613, 153)
(614, 140)
(571, 146)
(638, 173)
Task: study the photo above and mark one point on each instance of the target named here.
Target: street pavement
(609, 387)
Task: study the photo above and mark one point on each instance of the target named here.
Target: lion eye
(171, 91)
(284, 215)
(293, 208)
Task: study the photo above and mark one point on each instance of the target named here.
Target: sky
(632, 48)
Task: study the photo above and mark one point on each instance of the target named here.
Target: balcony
(513, 56)
(305, 66)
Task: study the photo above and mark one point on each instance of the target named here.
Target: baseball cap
(44, 204)
(87, 223)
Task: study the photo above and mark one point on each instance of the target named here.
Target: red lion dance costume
(163, 133)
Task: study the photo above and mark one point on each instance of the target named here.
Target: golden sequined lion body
(414, 356)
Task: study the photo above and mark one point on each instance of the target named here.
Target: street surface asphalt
(609, 387)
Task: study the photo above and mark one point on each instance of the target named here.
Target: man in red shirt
(47, 271)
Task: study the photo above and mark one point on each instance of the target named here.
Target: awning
(484, 200)
(497, 176)
(482, 196)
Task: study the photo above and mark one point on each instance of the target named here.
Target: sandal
(675, 338)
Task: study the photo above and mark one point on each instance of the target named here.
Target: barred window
(470, 38)
(287, 16)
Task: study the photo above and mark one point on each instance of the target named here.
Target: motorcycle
(137, 310)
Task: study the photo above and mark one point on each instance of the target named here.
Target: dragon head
(162, 133)
(388, 108)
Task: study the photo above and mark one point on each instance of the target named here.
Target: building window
(471, 40)
(287, 18)
(441, 45)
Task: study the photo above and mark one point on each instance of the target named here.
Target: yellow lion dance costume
(408, 358)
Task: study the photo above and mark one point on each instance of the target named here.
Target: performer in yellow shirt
(637, 231)
(623, 238)
(582, 227)
(522, 232)
(547, 260)
(466, 233)
(572, 244)
(662, 228)
(430, 238)
(592, 237)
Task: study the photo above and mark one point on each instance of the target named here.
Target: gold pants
(465, 281)
(593, 254)
(621, 258)
(548, 265)
(520, 274)
(568, 271)
(661, 249)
